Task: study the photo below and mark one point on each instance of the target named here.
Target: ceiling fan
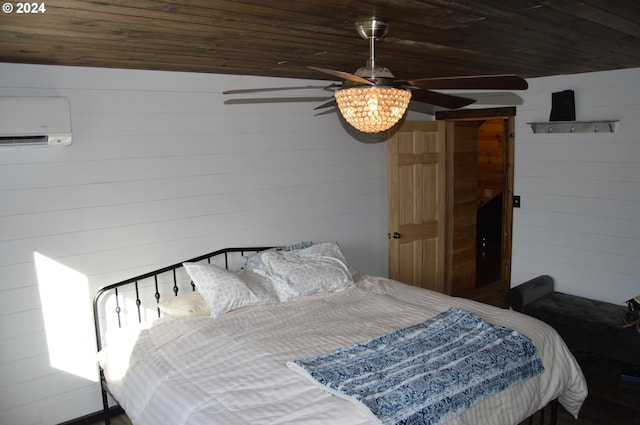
(372, 99)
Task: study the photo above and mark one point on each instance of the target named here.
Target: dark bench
(586, 325)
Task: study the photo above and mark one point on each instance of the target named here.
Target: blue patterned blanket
(429, 372)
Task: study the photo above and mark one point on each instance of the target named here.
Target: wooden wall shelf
(601, 126)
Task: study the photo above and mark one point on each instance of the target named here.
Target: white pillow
(225, 290)
(254, 261)
(191, 304)
(319, 268)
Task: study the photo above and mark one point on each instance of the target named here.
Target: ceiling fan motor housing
(372, 30)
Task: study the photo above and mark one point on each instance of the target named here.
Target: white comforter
(232, 370)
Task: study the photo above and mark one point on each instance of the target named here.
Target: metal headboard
(159, 278)
(137, 287)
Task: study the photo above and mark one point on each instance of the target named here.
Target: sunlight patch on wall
(68, 322)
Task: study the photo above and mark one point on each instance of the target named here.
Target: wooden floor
(492, 293)
(117, 420)
(608, 402)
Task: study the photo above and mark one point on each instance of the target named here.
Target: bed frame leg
(554, 411)
(553, 416)
(105, 403)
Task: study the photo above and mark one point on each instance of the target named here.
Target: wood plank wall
(490, 160)
(161, 170)
(579, 219)
(465, 205)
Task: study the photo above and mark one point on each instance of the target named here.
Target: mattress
(232, 369)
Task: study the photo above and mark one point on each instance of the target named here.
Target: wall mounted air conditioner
(34, 121)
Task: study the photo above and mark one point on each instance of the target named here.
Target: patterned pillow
(191, 304)
(319, 268)
(225, 290)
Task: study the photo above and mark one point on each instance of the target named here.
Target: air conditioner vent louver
(23, 140)
(34, 121)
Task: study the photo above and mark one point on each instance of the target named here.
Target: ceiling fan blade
(330, 104)
(260, 100)
(343, 75)
(487, 82)
(440, 99)
(259, 90)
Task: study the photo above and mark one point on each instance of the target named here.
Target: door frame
(507, 114)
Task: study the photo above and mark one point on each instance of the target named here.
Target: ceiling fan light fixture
(372, 109)
(372, 100)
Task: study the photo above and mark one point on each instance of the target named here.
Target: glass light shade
(372, 109)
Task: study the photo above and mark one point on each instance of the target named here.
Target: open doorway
(490, 200)
(479, 199)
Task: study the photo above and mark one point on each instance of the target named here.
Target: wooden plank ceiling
(280, 38)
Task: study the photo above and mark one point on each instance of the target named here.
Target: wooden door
(416, 176)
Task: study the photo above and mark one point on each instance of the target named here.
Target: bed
(219, 339)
